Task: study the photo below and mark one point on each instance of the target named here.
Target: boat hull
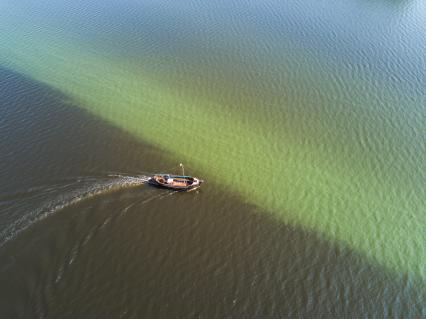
(174, 182)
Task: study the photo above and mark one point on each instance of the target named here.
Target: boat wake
(18, 207)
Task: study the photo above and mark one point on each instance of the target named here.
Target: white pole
(183, 169)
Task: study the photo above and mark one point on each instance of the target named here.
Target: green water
(314, 112)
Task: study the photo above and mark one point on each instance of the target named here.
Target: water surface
(310, 116)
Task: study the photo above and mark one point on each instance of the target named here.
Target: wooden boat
(176, 182)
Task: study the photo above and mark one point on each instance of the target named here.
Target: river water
(306, 118)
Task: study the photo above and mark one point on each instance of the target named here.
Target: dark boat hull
(177, 183)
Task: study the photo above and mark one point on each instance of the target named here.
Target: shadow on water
(197, 255)
(46, 137)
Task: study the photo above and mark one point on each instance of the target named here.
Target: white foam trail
(71, 193)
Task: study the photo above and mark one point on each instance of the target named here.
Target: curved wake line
(70, 194)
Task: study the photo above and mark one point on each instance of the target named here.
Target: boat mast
(183, 169)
